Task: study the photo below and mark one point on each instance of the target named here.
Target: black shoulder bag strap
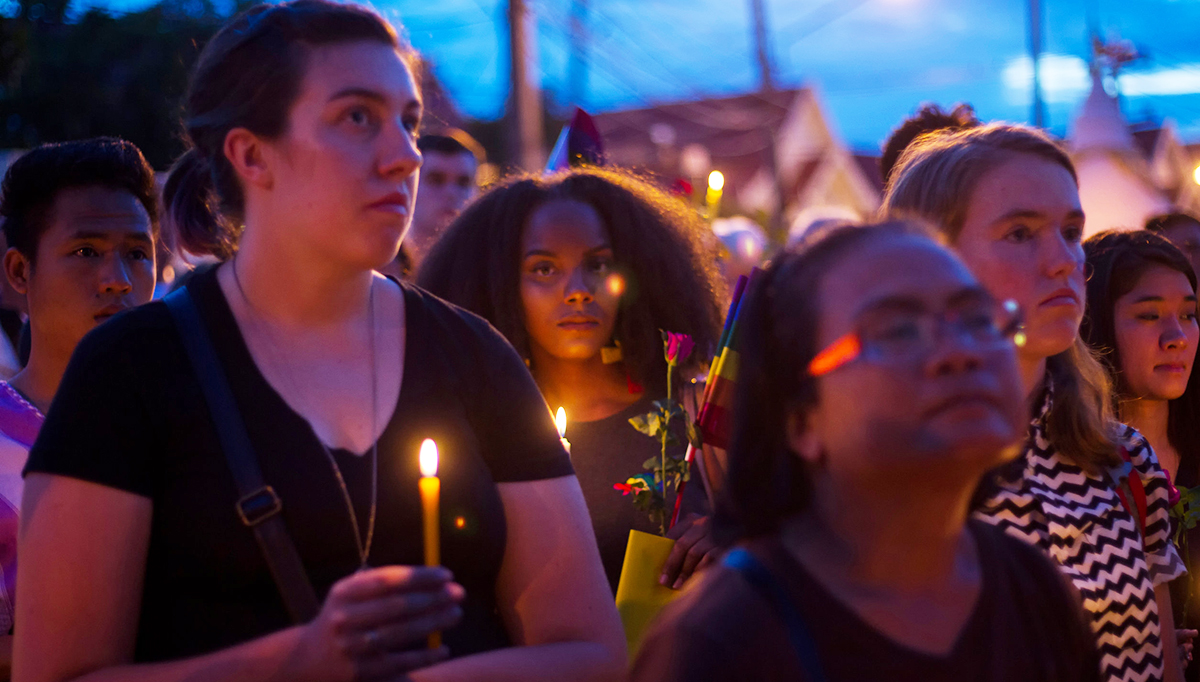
(258, 506)
(760, 578)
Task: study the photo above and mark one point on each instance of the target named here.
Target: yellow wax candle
(560, 421)
(431, 488)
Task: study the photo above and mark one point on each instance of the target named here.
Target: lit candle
(560, 420)
(430, 492)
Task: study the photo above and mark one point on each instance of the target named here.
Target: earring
(611, 355)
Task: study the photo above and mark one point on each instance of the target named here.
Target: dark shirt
(130, 415)
(610, 451)
(1027, 626)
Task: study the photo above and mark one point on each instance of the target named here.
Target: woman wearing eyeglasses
(1086, 490)
(878, 383)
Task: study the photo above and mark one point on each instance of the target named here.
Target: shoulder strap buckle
(259, 506)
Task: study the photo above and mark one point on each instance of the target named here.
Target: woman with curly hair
(580, 271)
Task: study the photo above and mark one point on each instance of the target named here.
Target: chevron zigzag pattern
(1076, 518)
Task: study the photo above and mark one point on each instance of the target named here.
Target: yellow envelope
(639, 596)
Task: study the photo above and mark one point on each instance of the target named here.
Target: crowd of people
(957, 427)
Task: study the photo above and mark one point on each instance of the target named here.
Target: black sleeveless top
(130, 415)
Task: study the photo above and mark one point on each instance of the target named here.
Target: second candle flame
(560, 421)
(429, 458)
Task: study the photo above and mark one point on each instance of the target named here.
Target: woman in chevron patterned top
(1086, 490)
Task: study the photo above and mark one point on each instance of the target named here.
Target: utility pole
(526, 99)
(1035, 49)
(761, 46)
(577, 71)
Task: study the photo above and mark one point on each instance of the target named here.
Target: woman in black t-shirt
(136, 565)
(580, 271)
(878, 383)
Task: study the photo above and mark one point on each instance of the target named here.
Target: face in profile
(1156, 333)
(1022, 238)
(570, 290)
(95, 259)
(345, 172)
(936, 385)
(447, 184)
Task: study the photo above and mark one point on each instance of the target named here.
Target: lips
(578, 323)
(108, 311)
(396, 202)
(1064, 296)
(973, 399)
(1171, 367)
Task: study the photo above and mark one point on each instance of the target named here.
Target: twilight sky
(873, 60)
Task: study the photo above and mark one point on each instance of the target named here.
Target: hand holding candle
(560, 421)
(430, 487)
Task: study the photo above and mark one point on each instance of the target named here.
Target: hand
(694, 549)
(372, 618)
(1183, 638)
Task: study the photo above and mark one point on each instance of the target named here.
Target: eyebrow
(904, 302)
(101, 236)
(1160, 299)
(374, 96)
(1018, 213)
(551, 254)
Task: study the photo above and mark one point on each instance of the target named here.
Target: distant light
(1196, 175)
(615, 284)
(716, 181)
(460, 522)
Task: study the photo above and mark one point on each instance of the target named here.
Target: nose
(953, 353)
(1061, 258)
(578, 289)
(1173, 337)
(400, 157)
(114, 278)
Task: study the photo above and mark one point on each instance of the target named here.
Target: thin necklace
(363, 545)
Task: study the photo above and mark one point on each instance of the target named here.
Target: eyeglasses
(902, 335)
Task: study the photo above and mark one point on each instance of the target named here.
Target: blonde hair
(934, 180)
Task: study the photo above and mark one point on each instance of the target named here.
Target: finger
(388, 665)
(679, 553)
(412, 630)
(368, 614)
(709, 559)
(377, 582)
(682, 526)
(693, 558)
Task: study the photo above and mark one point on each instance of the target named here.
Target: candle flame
(560, 420)
(429, 458)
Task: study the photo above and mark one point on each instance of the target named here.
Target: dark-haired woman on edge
(135, 564)
(581, 271)
(1141, 320)
(878, 383)
(1007, 199)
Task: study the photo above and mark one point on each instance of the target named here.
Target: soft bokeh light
(615, 284)
(1196, 175)
(429, 458)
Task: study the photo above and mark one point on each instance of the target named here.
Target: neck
(1151, 418)
(1033, 372)
(587, 389)
(39, 379)
(291, 287)
(883, 533)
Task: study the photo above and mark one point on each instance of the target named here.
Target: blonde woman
(1086, 490)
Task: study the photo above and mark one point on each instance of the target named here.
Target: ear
(17, 268)
(250, 157)
(801, 438)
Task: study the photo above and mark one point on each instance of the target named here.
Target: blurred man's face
(447, 183)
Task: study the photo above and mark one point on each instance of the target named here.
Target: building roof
(869, 165)
(736, 132)
(1100, 125)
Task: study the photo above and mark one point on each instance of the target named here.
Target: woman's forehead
(896, 266)
(364, 66)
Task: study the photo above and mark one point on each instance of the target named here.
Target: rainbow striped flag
(715, 419)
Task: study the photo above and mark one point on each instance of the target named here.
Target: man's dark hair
(1166, 221)
(33, 182)
(929, 118)
(452, 141)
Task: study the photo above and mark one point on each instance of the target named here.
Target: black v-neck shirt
(130, 415)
